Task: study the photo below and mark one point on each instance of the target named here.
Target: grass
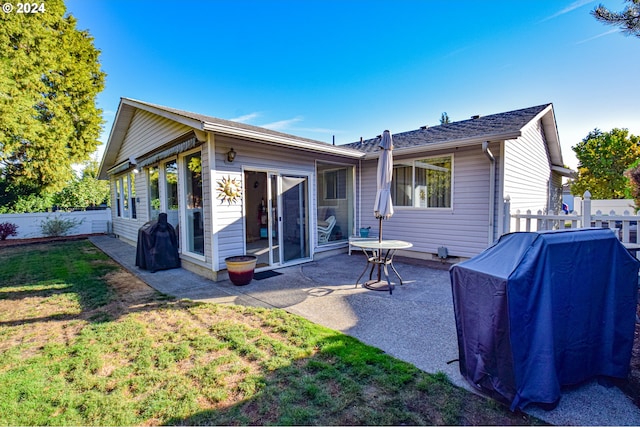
(84, 343)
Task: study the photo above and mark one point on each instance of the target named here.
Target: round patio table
(380, 253)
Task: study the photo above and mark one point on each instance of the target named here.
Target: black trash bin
(539, 311)
(157, 247)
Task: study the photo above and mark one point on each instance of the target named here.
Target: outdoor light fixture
(231, 155)
(134, 163)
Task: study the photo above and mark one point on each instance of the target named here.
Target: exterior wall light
(231, 155)
(133, 162)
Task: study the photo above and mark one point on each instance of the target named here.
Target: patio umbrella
(382, 207)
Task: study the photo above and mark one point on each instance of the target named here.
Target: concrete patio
(415, 324)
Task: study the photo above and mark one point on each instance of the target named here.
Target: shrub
(57, 226)
(8, 229)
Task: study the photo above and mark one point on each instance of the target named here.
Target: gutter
(280, 140)
(492, 187)
(466, 142)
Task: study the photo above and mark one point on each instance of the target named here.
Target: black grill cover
(157, 246)
(538, 311)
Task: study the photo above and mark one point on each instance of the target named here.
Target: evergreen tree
(444, 118)
(49, 79)
(628, 19)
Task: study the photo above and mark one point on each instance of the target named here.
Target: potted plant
(364, 232)
(241, 268)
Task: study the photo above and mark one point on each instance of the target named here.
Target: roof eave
(566, 172)
(280, 140)
(116, 136)
(466, 142)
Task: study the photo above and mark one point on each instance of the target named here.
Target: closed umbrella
(383, 207)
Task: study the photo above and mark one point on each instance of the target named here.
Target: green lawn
(84, 343)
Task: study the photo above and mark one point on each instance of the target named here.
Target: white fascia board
(116, 136)
(280, 140)
(196, 124)
(448, 144)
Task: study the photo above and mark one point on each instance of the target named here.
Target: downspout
(492, 188)
(359, 221)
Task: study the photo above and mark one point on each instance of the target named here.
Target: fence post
(506, 221)
(577, 205)
(586, 209)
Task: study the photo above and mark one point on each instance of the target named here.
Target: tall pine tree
(50, 77)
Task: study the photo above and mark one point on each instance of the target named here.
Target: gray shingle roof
(478, 128)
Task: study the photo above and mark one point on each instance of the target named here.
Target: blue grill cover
(538, 311)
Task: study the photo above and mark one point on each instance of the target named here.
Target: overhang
(200, 123)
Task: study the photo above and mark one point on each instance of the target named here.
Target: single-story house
(230, 188)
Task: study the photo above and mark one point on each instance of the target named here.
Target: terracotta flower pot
(241, 268)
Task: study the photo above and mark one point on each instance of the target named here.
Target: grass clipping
(84, 343)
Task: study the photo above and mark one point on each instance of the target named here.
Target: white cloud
(282, 124)
(246, 117)
(615, 30)
(573, 6)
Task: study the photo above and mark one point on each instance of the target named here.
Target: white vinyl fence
(88, 222)
(624, 223)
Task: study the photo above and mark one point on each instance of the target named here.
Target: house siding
(230, 218)
(462, 229)
(527, 171)
(147, 132)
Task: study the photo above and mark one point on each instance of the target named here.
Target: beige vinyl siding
(229, 219)
(463, 229)
(146, 132)
(527, 171)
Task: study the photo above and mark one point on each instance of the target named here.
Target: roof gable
(201, 124)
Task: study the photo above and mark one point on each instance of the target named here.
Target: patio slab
(415, 324)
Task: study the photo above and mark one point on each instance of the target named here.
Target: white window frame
(337, 187)
(415, 200)
(121, 197)
(182, 205)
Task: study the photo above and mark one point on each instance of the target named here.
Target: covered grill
(538, 311)
(157, 247)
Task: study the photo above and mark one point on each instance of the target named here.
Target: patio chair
(324, 229)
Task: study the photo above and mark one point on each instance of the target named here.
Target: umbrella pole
(379, 250)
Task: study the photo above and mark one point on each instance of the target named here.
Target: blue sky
(354, 68)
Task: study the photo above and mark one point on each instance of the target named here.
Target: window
(171, 192)
(126, 196)
(118, 199)
(424, 183)
(335, 184)
(335, 202)
(132, 195)
(154, 192)
(193, 203)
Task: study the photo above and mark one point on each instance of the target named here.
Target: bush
(8, 229)
(56, 226)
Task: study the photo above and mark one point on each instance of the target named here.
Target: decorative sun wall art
(229, 190)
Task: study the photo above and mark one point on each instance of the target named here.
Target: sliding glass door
(295, 224)
(276, 217)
